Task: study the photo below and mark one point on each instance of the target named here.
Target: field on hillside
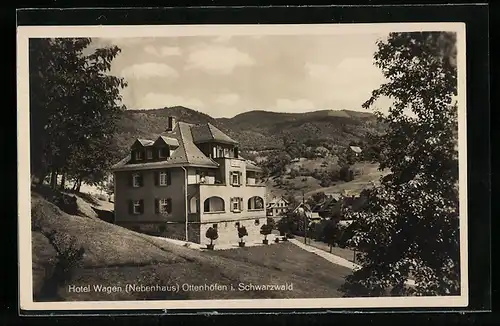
(115, 256)
(365, 175)
(369, 175)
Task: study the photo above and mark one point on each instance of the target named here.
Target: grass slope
(115, 256)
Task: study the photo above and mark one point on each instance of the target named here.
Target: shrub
(242, 232)
(212, 234)
(265, 230)
(69, 257)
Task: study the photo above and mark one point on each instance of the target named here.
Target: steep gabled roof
(207, 132)
(145, 142)
(171, 141)
(187, 153)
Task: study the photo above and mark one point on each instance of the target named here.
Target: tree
(316, 198)
(74, 104)
(265, 230)
(242, 232)
(409, 224)
(212, 234)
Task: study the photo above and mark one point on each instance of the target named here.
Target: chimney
(170, 123)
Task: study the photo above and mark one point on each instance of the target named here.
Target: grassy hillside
(115, 256)
(255, 130)
(366, 175)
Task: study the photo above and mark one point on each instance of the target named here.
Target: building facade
(277, 206)
(189, 179)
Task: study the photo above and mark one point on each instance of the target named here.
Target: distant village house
(277, 206)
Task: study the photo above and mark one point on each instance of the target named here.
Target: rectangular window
(162, 152)
(236, 204)
(138, 155)
(163, 178)
(214, 226)
(136, 180)
(137, 207)
(149, 154)
(163, 206)
(221, 152)
(235, 178)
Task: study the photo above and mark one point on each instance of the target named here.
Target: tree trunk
(331, 248)
(63, 181)
(78, 185)
(53, 180)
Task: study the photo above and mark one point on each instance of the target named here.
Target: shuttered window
(136, 206)
(163, 206)
(136, 180)
(162, 178)
(236, 178)
(236, 204)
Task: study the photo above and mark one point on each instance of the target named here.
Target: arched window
(255, 203)
(213, 204)
(193, 205)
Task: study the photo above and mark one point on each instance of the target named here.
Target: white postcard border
(24, 181)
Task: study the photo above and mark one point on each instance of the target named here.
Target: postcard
(242, 166)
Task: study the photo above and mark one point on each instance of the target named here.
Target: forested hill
(256, 130)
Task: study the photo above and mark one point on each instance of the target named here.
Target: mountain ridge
(255, 130)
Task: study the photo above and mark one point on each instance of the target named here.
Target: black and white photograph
(255, 166)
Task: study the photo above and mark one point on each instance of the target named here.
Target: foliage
(74, 106)
(242, 232)
(277, 162)
(212, 234)
(316, 198)
(410, 223)
(69, 257)
(291, 223)
(346, 173)
(265, 230)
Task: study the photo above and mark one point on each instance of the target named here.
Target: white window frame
(237, 178)
(163, 205)
(138, 155)
(136, 207)
(149, 154)
(164, 175)
(135, 180)
(236, 201)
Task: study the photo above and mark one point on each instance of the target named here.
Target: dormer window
(149, 154)
(139, 156)
(163, 152)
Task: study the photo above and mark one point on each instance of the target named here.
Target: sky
(226, 75)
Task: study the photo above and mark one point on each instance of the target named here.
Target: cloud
(222, 38)
(218, 59)
(149, 70)
(163, 51)
(300, 105)
(159, 100)
(349, 72)
(228, 99)
(127, 41)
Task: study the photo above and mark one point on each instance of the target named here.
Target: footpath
(333, 258)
